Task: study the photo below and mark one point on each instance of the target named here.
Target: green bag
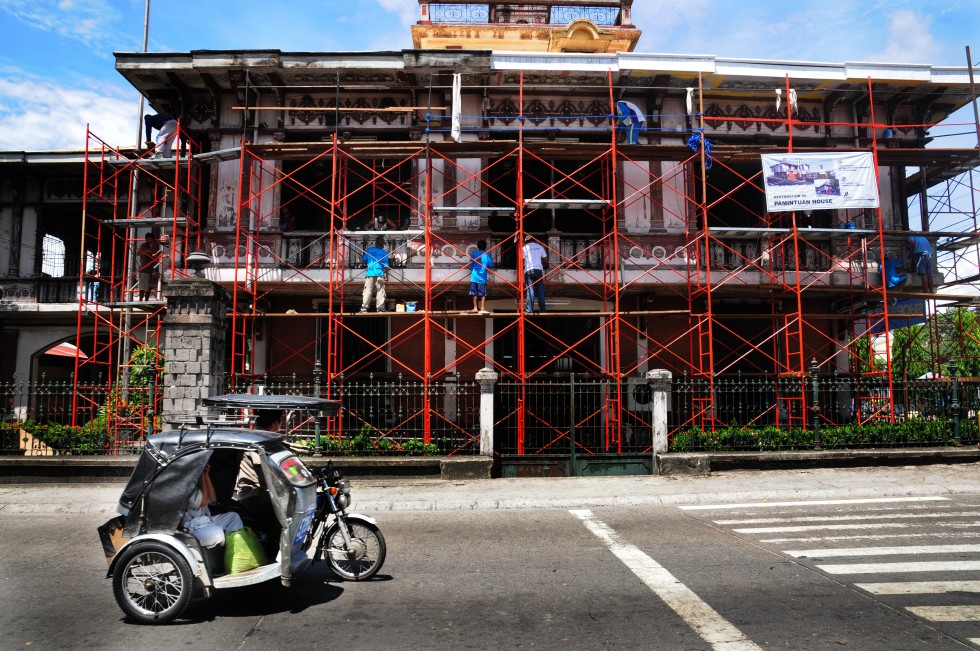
(243, 551)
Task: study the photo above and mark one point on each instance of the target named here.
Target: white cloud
(39, 113)
(909, 39)
(666, 25)
(90, 22)
(406, 10)
(846, 30)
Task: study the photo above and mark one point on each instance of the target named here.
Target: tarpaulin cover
(168, 470)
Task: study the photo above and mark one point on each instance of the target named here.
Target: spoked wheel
(365, 556)
(152, 583)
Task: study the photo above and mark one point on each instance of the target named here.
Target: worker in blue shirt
(480, 263)
(920, 252)
(376, 259)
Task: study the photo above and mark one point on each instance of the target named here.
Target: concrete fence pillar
(659, 380)
(487, 378)
(193, 346)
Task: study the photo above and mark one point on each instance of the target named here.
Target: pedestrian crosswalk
(918, 554)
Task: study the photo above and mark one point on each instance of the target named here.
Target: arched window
(53, 256)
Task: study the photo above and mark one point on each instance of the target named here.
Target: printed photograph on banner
(815, 181)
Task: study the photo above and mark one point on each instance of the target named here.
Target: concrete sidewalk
(96, 468)
(415, 495)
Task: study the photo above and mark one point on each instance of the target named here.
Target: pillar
(659, 380)
(194, 334)
(487, 378)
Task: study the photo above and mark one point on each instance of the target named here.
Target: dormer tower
(557, 26)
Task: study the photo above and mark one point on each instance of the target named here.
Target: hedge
(913, 432)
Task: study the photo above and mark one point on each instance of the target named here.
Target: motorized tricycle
(298, 515)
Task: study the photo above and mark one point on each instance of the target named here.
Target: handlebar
(327, 472)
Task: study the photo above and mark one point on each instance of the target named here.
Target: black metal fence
(392, 414)
(36, 417)
(387, 414)
(850, 412)
(572, 415)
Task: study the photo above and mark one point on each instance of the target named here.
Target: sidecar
(155, 563)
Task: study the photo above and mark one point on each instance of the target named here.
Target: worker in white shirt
(535, 262)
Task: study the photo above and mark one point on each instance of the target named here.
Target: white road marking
(845, 518)
(946, 613)
(706, 622)
(920, 587)
(883, 551)
(757, 505)
(851, 527)
(973, 640)
(917, 566)
(880, 536)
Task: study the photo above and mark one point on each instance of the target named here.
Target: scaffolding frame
(128, 193)
(787, 266)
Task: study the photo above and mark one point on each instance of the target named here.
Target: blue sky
(56, 63)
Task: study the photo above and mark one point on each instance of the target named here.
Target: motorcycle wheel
(364, 558)
(152, 583)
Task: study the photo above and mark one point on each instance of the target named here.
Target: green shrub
(969, 432)
(91, 438)
(912, 432)
(418, 448)
(363, 444)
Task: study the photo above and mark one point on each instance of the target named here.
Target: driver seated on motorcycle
(209, 529)
(250, 489)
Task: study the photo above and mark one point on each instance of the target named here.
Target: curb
(703, 463)
(87, 469)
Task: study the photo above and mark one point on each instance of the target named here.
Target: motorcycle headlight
(343, 500)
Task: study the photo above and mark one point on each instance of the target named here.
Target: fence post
(487, 378)
(317, 379)
(572, 452)
(954, 401)
(659, 380)
(815, 403)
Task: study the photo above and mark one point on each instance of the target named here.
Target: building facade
(639, 173)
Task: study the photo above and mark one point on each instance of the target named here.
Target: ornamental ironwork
(459, 13)
(605, 16)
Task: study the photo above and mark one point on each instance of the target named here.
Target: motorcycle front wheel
(365, 556)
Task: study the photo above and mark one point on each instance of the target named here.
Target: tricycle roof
(172, 462)
(176, 441)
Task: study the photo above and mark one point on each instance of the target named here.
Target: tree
(959, 339)
(910, 352)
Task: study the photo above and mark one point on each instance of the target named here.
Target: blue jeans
(534, 281)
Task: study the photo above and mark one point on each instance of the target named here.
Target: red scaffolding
(129, 193)
(723, 298)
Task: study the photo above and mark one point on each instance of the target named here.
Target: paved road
(596, 564)
(919, 556)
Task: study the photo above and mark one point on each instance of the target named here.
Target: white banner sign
(819, 181)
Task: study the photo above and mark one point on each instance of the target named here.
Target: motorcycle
(351, 542)
(156, 563)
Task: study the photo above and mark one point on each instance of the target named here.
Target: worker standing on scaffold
(920, 252)
(148, 257)
(535, 262)
(376, 259)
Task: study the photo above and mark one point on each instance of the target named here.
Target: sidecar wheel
(152, 583)
(364, 558)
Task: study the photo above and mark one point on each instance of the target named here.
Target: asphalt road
(897, 572)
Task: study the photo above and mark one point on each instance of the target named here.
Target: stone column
(194, 333)
(659, 380)
(487, 378)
